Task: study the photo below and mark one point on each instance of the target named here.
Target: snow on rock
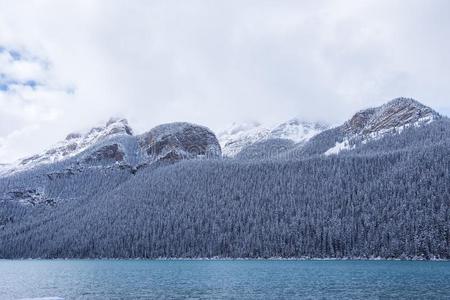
(74, 144)
(180, 140)
(391, 118)
(240, 136)
(115, 143)
(297, 131)
(394, 114)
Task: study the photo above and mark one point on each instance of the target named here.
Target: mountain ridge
(374, 123)
(387, 197)
(365, 125)
(239, 136)
(116, 142)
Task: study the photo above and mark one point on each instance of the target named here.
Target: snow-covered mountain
(374, 123)
(393, 115)
(179, 141)
(114, 143)
(129, 198)
(239, 136)
(73, 144)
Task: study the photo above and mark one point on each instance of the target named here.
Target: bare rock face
(374, 123)
(359, 121)
(29, 197)
(111, 152)
(177, 141)
(72, 136)
(394, 114)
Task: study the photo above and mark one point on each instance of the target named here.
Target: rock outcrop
(176, 141)
(394, 114)
(374, 123)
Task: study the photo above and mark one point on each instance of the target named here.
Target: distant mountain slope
(240, 136)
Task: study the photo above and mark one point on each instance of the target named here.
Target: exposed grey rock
(394, 114)
(74, 135)
(118, 125)
(375, 123)
(108, 152)
(177, 141)
(29, 196)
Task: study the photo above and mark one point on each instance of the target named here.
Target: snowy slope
(73, 144)
(374, 123)
(240, 136)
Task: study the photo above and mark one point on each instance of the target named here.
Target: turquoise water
(249, 279)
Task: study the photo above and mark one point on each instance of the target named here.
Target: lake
(223, 279)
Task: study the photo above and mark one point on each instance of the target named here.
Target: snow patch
(340, 146)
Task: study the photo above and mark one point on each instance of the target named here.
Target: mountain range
(376, 186)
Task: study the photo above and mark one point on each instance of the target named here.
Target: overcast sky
(68, 65)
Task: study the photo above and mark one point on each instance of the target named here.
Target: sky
(70, 65)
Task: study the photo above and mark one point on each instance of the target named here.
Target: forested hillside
(387, 196)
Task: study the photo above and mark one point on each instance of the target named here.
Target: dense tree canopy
(386, 198)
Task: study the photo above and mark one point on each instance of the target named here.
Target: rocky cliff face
(180, 141)
(374, 123)
(394, 114)
(113, 152)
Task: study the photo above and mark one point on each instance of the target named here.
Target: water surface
(222, 279)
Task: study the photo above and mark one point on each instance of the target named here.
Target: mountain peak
(180, 140)
(402, 101)
(118, 125)
(240, 136)
(396, 113)
(374, 123)
(75, 143)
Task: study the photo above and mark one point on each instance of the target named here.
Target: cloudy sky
(68, 65)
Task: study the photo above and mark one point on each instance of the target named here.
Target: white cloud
(213, 62)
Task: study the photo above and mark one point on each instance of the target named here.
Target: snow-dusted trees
(389, 198)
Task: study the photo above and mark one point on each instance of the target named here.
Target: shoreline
(230, 259)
